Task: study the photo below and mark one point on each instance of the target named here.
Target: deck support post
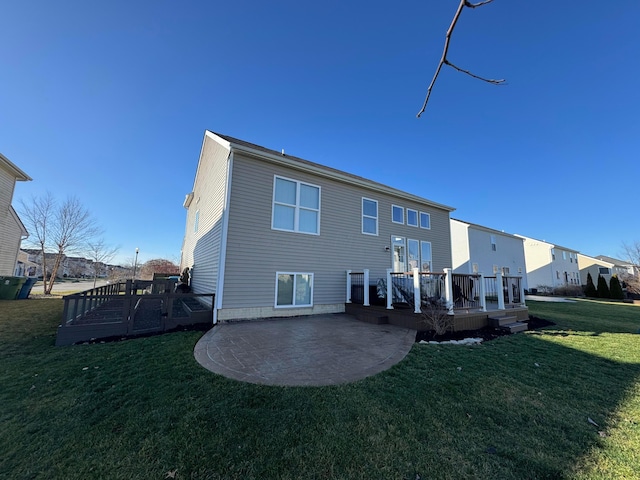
(366, 288)
(448, 290)
(500, 288)
(416, 291)
(482, 294)
(389, 290)
(522, 292)
(348, 286)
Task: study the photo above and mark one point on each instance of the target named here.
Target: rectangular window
(495, 269)
(397, 214)
(296, 206)
(564, 255)
(412, 217)
(294, 289)
(493, 243)
(474, 268)
(369, 217)
(604, 271)
(425, 220)
(553, 254)
(505, 270)
(425, 255)
(399, 254)
(196, 221)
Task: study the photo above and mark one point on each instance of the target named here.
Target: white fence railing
(453, 291)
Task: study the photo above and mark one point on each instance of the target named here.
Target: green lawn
(513, 408)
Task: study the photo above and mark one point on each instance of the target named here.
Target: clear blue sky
(109, 102)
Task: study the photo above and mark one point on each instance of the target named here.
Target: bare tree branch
(443, 59)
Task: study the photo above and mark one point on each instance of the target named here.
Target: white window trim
(422, 242)
(417, 218)
(402, 209)
(368, 216)
(420, 220)
(295, 274)
(196, 221)
(297, 206)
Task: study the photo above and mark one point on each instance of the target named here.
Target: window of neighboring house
(294, 289)
(604, 271)
(369, 216)
(425, 256)
(474, 268)
(397, 214)
(493, 243)
(412, 217)
(495, 269)
(196, 221)
(505, 270)
(564, 255)
(553, 254)
(519, 269)
(296, 206)
(558, 274)
(425, 220)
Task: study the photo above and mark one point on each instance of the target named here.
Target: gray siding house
(273, 235)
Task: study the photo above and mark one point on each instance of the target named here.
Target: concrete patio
(302, 351)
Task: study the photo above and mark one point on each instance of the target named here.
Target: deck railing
(130, 308)
(456, 292)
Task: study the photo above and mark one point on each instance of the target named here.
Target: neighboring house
(25, 266)
(478, 249)
(595, 267)
(12, 230)
(621, 268)
(273, 235)
(550, 265)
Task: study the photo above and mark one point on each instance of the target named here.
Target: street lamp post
(135, 264)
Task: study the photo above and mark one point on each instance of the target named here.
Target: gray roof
(328, 171)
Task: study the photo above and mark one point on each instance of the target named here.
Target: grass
(513, 408)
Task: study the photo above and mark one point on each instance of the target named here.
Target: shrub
(436, 318)
(568, 291)
(615, 288)
(590, 288)
(603, 288)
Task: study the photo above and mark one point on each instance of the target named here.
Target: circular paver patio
(312, 350)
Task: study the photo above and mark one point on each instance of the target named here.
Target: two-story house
(12, 230)
(273, 235)
(479, 249)
(550, 265)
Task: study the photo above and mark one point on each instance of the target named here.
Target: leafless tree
(632, 254)
(445, 61)
(56, 228)
(101, 254)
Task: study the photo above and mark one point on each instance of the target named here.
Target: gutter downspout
(223, 243)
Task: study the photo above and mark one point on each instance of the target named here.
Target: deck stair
(507, 322)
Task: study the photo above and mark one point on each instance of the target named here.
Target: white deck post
(416, 291)
(522, 292)
(448, 290)
(500, 288)
(348, 286)
(483, 294)
(389, 290)
(366, 288)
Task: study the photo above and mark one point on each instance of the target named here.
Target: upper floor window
(564, 255)
(412, 217)
(196, 221)
(369, 216)
(296, 206)
(397, 214)
(425, 220)
(493, 243)
(604, 271)
(553, 254)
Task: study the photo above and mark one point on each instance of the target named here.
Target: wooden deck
(404, 317)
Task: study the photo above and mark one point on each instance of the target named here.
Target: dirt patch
(486, 333)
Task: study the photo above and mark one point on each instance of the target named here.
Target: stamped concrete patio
(302, 351)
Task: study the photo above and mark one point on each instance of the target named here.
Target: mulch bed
(486, 333)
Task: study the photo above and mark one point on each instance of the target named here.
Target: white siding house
(479, 249)
(273, 235)
(590, 265)
(12, 230)
(550, 265)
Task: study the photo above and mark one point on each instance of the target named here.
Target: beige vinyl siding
(255, 252)
(201, 249)
(10, 229)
